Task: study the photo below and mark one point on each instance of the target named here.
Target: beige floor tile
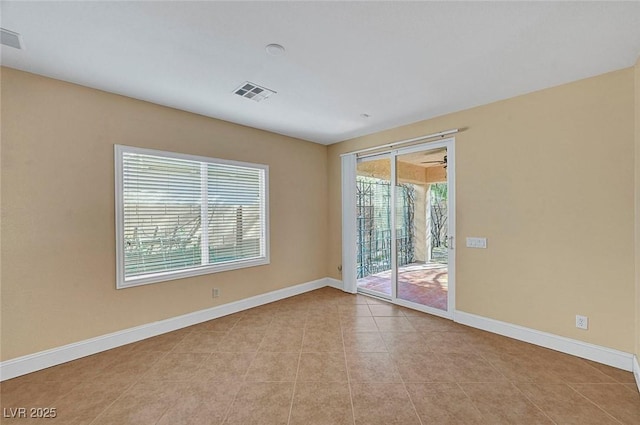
(564, 405)
(129, 367)
(405, 342)
(236, 341)
(383, 404)
(322, 367)
(469, 368)
(348, 299)
(426, 323)
(321, 403)
(518, 368)
(329, 343)
(322, 340)
(201, 404)
(19, 393)
(452, 342)
(503, 403)
(86, 401)
(142, 404)
(422, 367)
(282, 340)
(264, 403)
(375, 301)
(444, 404)
(199, 342)
(372, 367)
(225, 366)
(615, 399)
(322, 322)
(394, 324)
(253, 323)
(165, 342)
(358, 323)
(176, 367)
(85, 369)
(621, 376)
(222, 324)
(79, 370)
(268, 367)
(288, 320)
(363, 342)
(386, 310)
(574, 370)
(354, 310)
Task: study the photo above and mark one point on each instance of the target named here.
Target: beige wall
(560, 244)
(561, 241)
(58, 242)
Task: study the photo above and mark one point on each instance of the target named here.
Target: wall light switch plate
(476, 242)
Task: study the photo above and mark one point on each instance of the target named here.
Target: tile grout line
(404, 385)
(295, 382)
(470, 400)
(137, 381)
(242, 380)
(593, 402)
(112, 403)
(513, 384)
(346, 365)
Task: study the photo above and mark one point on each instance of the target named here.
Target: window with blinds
(182, 215)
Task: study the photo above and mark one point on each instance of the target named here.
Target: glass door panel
(421, 228)
(373, 226)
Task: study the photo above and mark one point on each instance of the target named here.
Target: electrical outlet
(582, 322)
(215, 292)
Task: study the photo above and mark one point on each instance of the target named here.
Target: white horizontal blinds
(167, 201)
(236, 213)
(162, 217)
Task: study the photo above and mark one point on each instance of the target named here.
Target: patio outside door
(373, 226)
(404, 226)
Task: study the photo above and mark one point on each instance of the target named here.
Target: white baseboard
(636, 371)
(585, 350)
(55, 356)
(334, 283)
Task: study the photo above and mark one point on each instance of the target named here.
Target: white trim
(55, 356)
(334, 283)
(585, 350)
(636, 371)
(349, 273)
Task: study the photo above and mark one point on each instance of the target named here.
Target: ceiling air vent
(253, 91)
(10, 38)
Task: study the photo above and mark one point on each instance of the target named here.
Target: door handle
(450, 242)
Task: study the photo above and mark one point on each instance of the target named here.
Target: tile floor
(327, 357)
(425, 284)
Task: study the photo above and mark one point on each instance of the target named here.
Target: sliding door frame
(349, 248)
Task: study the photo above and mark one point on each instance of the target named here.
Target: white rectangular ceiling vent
(253, 91)
(10, 38)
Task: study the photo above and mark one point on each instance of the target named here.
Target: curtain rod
(403, 142)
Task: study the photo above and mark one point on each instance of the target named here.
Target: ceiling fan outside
(443, 162)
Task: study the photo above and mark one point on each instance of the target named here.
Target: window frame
(121, 281)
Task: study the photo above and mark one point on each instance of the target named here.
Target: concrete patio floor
(421, 283)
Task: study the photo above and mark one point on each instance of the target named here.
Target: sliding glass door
(404, 226)
(373, 226)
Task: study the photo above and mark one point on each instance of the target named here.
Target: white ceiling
(400, 62)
